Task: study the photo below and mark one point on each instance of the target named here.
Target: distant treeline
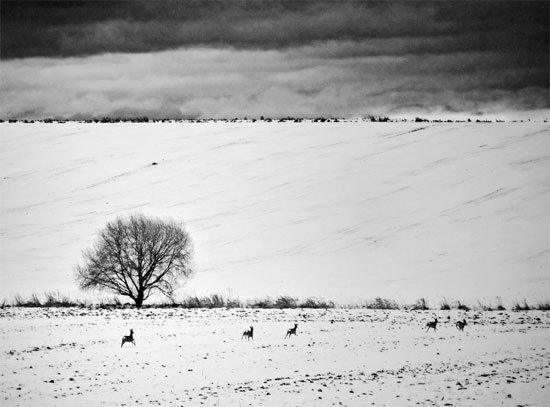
(57, 299)
(144, 119)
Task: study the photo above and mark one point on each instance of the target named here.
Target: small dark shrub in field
(374, 118)
(420, 305)
(217, 301)
(234, 303)
(281, 302)
(484, 306)
(500, 307)
(382, 303)
(209, 301)
(33, 301)
(261, 303)
(112, 302)
(462, 307)
(521, 307)
(164, 304)
(316, 303)
(213, 301)
(489, 307)
(82, 303)
(56, 299)
(543, 306)
(445, 306)
(191, 302)
(286, 302)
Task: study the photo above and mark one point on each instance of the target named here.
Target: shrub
(191, 302)
(420, 305)
(286, 302)
(445, 306)
(483, 306)
(261, 303)
(233, 303)
(462, 307)
(521, 307)
(382, 303)
(209, 301)
(216, 301)
(33, 301)
(374, 118)
(316, 303)
(110, 302)
(56, 299)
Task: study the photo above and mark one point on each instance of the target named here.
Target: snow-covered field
(68, 357)
(342, 210)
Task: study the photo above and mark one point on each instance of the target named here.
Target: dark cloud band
(64, 28)
(274, 58)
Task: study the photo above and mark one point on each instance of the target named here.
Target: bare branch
(136, 255)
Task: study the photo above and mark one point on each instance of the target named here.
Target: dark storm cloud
(253, 58)
(61, 29)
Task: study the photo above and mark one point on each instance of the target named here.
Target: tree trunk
(139, 300)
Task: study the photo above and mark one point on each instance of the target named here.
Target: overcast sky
(271, 58)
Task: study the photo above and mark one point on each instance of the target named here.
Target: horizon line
(333, 119)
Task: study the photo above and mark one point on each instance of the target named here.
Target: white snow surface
(73, 357)
(346, 210)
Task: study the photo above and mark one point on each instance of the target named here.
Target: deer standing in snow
(461, 324)
(128, 338)
(249, 334)
(432, 324)
(291, 331)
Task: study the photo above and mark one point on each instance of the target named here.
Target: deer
(432, 324)
(461, 324)
(249, 334)
(291, 331)
(128, 338)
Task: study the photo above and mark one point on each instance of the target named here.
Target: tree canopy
(135, 256)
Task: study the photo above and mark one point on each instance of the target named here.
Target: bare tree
(135, 256)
